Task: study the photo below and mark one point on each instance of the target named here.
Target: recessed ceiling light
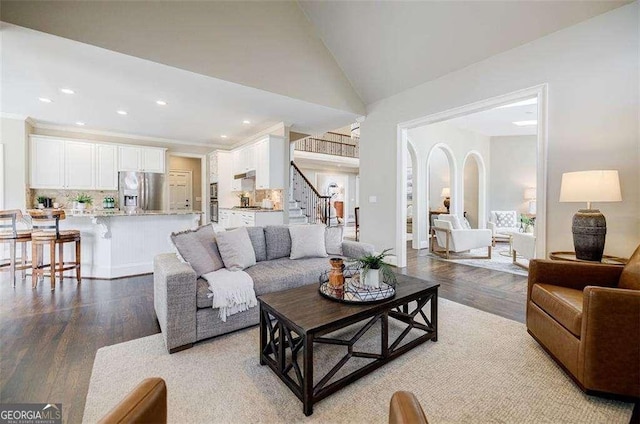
(520, 103)
(122, 112)
(223, 136)
(67, 91)
(81, 124)
(525, 123)
(161, 102)
(45, 100)
(246, 121)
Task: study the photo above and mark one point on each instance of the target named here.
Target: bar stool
(9, 233)
(46, 231)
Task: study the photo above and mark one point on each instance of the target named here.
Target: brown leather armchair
(587, 317)
(405, 409)
(147, 403)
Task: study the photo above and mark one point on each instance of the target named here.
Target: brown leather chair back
(405, 409)
(147, 403)
(630, 277)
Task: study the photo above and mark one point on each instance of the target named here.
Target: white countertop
(117, 213)
(250, 210)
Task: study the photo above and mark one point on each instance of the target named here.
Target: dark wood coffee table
(293, 321)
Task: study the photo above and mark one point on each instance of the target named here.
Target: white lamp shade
(590, 186)
(529, 193)
(446, 192)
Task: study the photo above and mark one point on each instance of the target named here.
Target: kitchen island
(119, 244)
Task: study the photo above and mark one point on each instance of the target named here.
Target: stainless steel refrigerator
(141, 191)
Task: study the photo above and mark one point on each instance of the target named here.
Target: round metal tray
(353, 291)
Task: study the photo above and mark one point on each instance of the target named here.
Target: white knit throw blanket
(232, 291)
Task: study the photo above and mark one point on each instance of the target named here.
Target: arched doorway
(474, 190)
(441, 180)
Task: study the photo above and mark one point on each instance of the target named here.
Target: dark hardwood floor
(49, 339)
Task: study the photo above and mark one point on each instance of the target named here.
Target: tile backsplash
(66, 197)
(274, 195)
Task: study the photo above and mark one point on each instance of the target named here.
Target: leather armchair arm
(609, 356)
(405, 409)
(575, 275)
(147, 403)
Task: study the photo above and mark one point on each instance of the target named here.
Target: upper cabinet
(47, 163)
(79, 165)
(147, 159)
(106, 167)
(153, 159)
(244, 159)
(270, 167)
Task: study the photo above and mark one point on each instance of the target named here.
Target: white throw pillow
(307, 241)
(333, 239)
(236, 249)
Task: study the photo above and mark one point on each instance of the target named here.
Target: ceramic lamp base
(589, 231)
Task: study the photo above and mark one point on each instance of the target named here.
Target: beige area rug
(483, 369)
(501, 260)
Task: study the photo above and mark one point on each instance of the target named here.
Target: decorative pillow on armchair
(506, 219)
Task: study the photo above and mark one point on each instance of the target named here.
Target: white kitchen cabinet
(270, 163)
(232, 218)
(153, 159)
(244, 159)
(79, 165)
(236, 162)
(136, 158)
(47, 163)
(106, 167)
(129, 158)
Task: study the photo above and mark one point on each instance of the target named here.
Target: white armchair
(449, 236)
(523, 245)
(502, 224)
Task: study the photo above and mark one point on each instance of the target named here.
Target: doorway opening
(473, 154)
(187, 183)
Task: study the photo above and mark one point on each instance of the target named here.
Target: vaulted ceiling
(324, 58)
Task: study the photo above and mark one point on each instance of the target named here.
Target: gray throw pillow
(256, 234)
(199, 248)
(278, 241)
(333, 239)
(307, 241)
(236, 249)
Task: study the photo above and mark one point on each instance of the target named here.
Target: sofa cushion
(630, 277)
(278, 241)
(236, 249)
(333, 239)
(285, 273)
(308, 241)
(199, 248)
(561, 303)
(273, 276)
(256, 235)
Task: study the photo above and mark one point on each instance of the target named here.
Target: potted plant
(82, 200)
(41, 200)
(527, 223)
(375, 270)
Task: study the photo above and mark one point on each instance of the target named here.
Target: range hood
(248, 174)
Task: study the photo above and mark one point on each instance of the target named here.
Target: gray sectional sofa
(181, 300)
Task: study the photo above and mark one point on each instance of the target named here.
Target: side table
(571, 257)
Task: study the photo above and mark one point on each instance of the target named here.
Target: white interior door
(180, 192)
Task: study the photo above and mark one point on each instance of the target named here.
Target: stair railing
(315, 207)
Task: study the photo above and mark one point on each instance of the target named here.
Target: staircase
(306, 201)
(296, 216)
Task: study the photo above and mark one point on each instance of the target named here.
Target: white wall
(510, 176)
(14, 135)
(592, 72)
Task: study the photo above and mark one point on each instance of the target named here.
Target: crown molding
(161, 140)
(248, 140)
